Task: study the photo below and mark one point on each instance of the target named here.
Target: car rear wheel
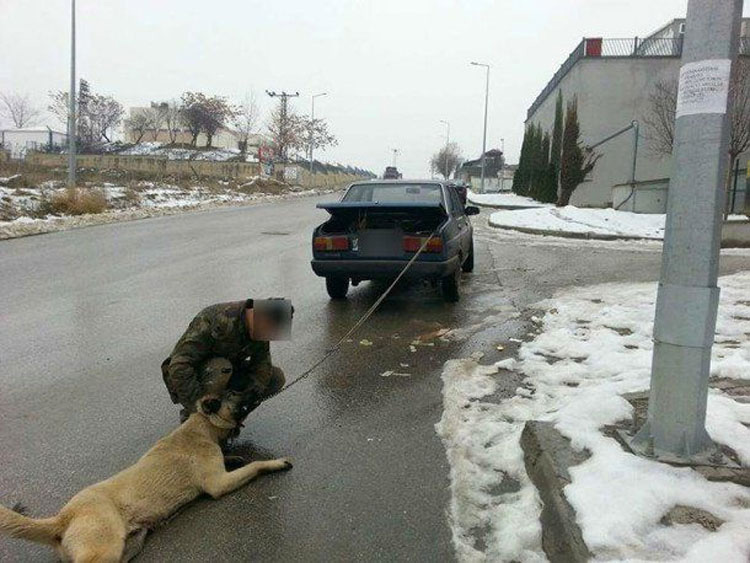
(468, 265)
(449, 285)
(337, 287)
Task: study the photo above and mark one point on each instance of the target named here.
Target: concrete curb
(508, 207)
(547, 456)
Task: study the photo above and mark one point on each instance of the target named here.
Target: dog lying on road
(108, 521)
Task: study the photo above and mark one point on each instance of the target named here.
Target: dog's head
(225, 411)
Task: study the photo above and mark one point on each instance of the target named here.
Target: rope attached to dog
(335, 348)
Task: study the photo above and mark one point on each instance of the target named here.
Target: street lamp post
(447, 142)
(72, 100)
(688, 295)
(312, 125)
(486, 100)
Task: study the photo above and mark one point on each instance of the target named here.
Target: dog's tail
(16, 525)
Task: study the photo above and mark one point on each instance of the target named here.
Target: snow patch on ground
(580, 221)
(148, 199)
(504, 199)
(174, 153)
(594, 346)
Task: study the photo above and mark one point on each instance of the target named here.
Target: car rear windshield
(395, 193)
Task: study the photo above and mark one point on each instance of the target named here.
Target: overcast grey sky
(393, 68)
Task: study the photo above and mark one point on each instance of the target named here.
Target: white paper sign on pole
(704, 86)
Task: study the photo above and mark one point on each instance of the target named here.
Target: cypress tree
(521, 175)
(544, 164)
(553, 172)
(575, 162)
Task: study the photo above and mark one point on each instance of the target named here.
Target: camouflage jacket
(218, 330)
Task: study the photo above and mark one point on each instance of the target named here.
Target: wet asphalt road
(86, 316)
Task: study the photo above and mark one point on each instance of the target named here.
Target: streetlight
(312, 126)
(484, 135)
(447, 142)
(72, 100)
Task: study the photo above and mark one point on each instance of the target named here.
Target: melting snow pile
(578, 221)
(594, 346)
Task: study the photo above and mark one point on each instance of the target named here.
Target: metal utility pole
(72, 100)
(447, 142)
(486, 101)
(312, 124)
(284, 103)
(688, 297)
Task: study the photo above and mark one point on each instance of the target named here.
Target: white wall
(18, 141)
(611, 93)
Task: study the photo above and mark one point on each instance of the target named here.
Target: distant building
(19, 141)
(470, 171)
(612, 80)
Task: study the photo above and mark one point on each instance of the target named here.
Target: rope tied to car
(362, 320)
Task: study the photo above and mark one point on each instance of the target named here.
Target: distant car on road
(379, 225)
(391, 173)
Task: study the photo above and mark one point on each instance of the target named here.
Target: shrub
(75, 201)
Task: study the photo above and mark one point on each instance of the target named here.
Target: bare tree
(446, 160)
(660, 116)
(97, 115)
(317, 135)
(105, 113)
(155, 115)
(138, 125)
(18, 108)
(173, 121)
(245, 120)
(192, 114)
(58, 106)
(216, 112)
(287, 131)
(659, 119)
(203, 114)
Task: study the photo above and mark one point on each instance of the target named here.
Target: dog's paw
(285, 464)
(20, 508)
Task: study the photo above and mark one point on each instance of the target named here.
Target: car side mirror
(471, 210)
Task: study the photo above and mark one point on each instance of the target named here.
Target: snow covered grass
(594, 345)
(25, 211)
(586, 222)
(504, 199)
(176, 153)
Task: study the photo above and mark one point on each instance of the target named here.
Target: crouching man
(226, 348)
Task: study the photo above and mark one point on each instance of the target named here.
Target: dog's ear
(210, 405)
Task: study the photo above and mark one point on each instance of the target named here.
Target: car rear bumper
(384, 269)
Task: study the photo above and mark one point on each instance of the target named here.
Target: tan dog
(108, 521)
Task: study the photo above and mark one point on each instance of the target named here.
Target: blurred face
(264, 327)
(270, 320)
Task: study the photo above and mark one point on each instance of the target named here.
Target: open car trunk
(402, 218)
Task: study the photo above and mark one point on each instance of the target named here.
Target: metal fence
(630, 47)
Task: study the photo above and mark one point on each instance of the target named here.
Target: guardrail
(630, 47)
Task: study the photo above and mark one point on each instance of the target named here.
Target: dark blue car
(378, 226)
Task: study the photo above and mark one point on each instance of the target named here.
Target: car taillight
(413, 244)
(331, 244)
